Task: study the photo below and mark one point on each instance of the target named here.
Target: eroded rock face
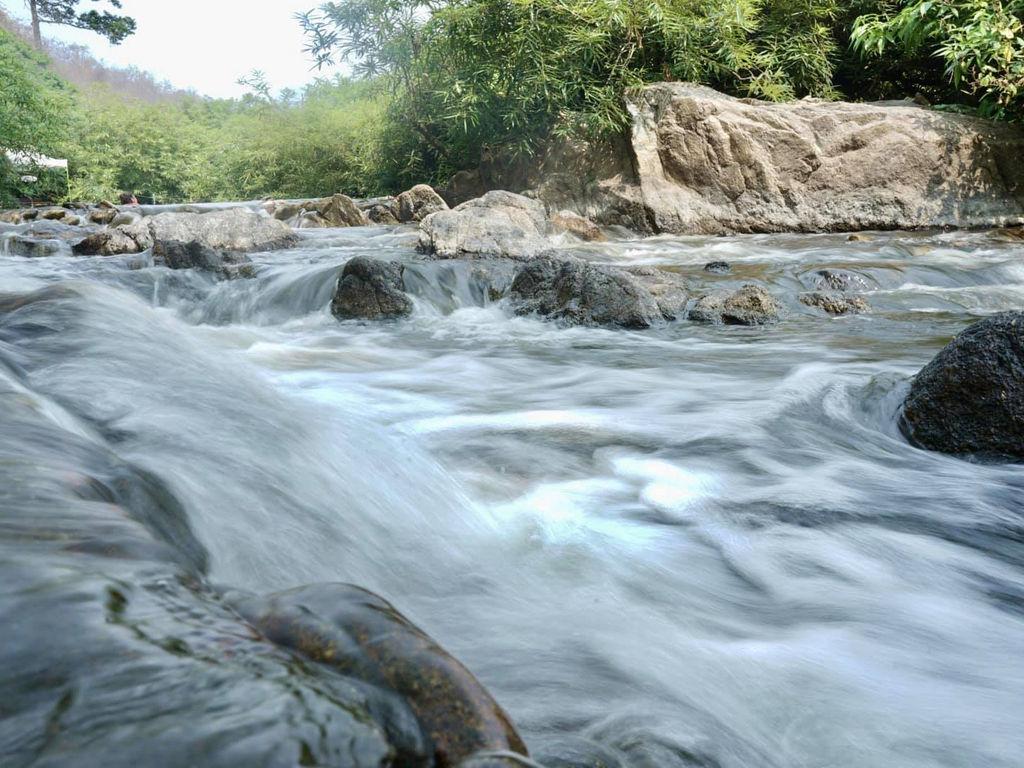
(370, 289)
(500, 224)
(710, 163)
(419, 202)
(231, 229)
(581, 293)
(970, 398)
(362, 635)
(750, 305)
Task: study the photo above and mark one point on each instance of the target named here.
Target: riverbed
(695, 545)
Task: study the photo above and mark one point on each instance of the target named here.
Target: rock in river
(970, 398)
(419, 202)
(582, 293)
(370, 289)
(750, 305)
(195, 255)
(231, 229)
(499, 224)
(834, 302)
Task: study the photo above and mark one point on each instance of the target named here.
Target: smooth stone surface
(231, 229)
(500, 224)
(370, 289)
(419, 202)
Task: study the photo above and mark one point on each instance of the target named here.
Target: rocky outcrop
(419, 202)
(750, 305)
(370, 289)
(699, 162)
(500, 224)
(581, 293)
(969, 400)
(231, 229)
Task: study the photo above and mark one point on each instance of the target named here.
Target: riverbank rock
(581, 293)
(361, 634)
(499, 224)
(195, 255)
(419, 202)
(970, 398)
(574, 224)
(835, 303)
(750, 305)
(230, 229)
(370, 289)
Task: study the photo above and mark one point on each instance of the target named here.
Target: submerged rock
(362, 635)
(839, 280)
(370, 289)
(230, 229)
(835, 303)
(419, 202)
(581, 293)
(28, 247)
(500, 224)
(750, 305)
(970, 398)
(195, 255)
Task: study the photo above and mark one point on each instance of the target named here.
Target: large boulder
(230, 229)
(581, 293)
(126, 238)
(970, 398)
(419, 202)
(710, 163)
(370, 289)
(750, 305)
(499, 224)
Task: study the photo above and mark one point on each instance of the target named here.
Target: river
(696, 545)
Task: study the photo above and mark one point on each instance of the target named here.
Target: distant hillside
(77, 65)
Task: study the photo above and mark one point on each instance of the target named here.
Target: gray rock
(500, 224)
(195, 255)
(750, 305)
(835, 303)
(669, 289)
(334, 211)
(231, 229)
(380, 210)
(122, 218)
(970, 398)
(718, 268)
(419, 202)
(27, 247)
(581, 293)
(370, 289)
(135, 237)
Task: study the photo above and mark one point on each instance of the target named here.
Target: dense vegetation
(441, 83)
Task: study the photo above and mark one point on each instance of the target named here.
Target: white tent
(29, 159)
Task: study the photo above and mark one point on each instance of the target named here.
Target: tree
(65, 12)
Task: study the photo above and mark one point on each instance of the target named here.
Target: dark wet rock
(835, 303)
(581, 293)
(574, 224)
(838, 280)
(858, 237)
(370, 289)
(362, 635)
(230, 229)
(718, 267)
(129, 238)
(970, 398)
(750, 305)
(419, 202)
(195, 255)
(499, 224)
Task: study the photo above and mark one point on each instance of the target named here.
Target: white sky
(205, 45)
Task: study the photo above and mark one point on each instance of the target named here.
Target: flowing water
(696, 545)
